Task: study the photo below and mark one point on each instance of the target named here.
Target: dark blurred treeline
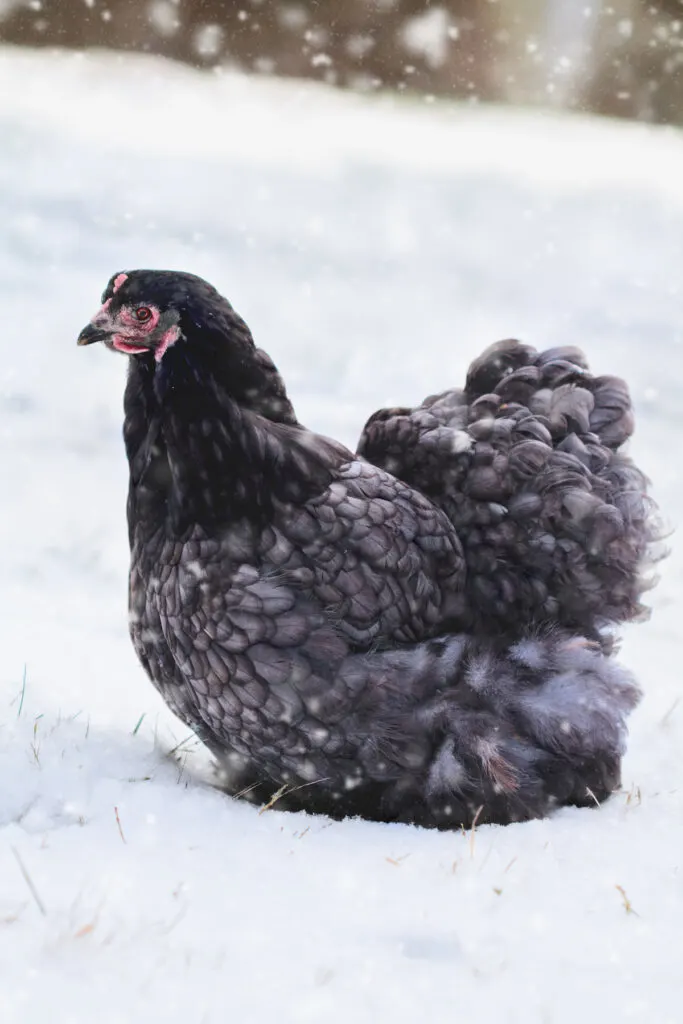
(622, 58)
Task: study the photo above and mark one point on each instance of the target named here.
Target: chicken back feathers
(554, 519)
(302, 609)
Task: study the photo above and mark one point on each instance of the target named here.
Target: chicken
(301, 609)
(527, 462)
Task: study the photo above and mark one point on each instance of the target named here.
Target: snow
(427, 35)
(375, 246)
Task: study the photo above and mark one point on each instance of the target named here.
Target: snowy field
(374, 247)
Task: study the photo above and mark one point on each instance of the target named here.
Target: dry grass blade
(118, 822)
(669, 713)
(286, 790)
(473, 830)
(247, 790)
(190, 740)
(634, 796)
(274, 799)
(29, 882)
(23, 694)
(628, 907)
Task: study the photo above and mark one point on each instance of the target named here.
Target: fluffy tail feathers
(544, 381)
(555, 521)
(512, 732)
(461, 728)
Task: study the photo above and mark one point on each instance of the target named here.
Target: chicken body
(302, 610)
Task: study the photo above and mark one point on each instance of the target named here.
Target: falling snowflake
(428, 35)
(208, 40)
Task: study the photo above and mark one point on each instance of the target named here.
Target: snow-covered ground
(375, 248)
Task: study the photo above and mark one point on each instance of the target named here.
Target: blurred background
(620, 58)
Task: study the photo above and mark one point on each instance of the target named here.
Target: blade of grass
(138, 723)
(29, 882)
(23, 693)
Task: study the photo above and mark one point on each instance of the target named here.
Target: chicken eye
(143, 314)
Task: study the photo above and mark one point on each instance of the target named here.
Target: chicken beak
(90, 334)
